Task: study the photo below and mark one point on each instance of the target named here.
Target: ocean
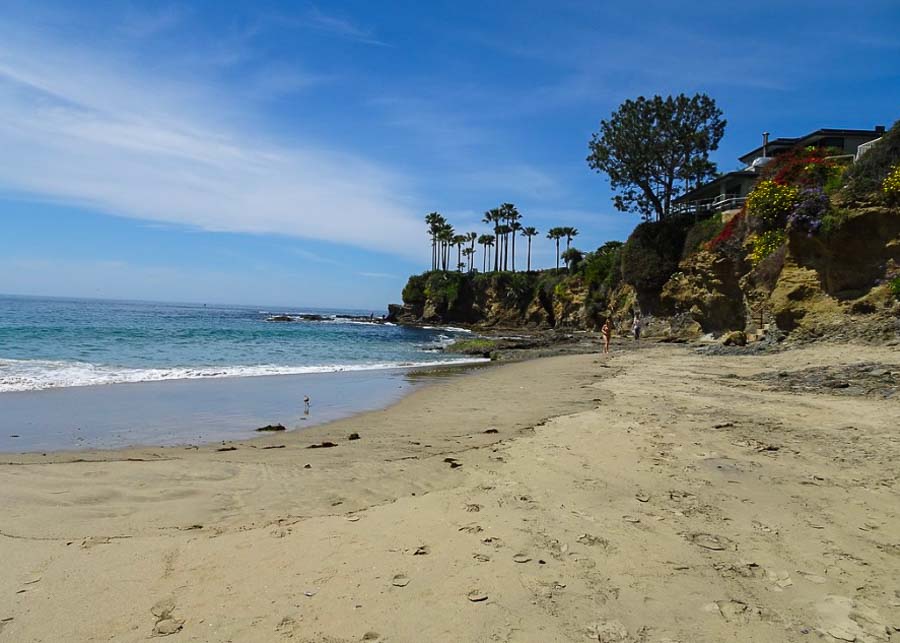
(91, 363)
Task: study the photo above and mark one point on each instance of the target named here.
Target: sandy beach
(655, 495)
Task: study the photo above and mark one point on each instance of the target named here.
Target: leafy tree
(528, 233)
(654, 149)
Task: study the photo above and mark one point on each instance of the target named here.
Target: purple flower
(812, 204)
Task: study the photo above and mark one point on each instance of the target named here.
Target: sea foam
(34, 375)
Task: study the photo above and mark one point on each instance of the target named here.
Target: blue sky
(286, 152)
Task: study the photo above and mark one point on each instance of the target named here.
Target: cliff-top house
(730, 190)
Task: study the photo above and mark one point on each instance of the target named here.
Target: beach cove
(658, 495)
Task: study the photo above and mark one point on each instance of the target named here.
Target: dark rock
(227, 449)
(394, 312)
(272, 427)
(492, 431)
(322, 445)
(280, 318)
(353, 436)
(735, 338)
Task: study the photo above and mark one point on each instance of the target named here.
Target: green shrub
(833, 220)
(444, 288)
(772, 202)
(895, 286)
(602, 269)
(867, 175)
(652, 252)
(702, 233)
(414, 291)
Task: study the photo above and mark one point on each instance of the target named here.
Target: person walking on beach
(607, 334)
(636, 327)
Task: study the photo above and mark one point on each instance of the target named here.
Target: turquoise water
(57, 343)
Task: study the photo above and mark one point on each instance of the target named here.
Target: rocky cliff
(811, 285)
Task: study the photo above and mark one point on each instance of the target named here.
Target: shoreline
(658, 495)
(167, 410)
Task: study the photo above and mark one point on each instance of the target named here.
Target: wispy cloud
(93, 130)
(145, 23)
(341, 27)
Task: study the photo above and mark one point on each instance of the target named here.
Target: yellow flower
(891, 184)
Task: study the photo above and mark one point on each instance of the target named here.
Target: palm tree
(494, 216)
(435, 221)
(458, 241)
(569, 234)
(445, 237)
(503, 231)
(556, 234)
(468, 253)
(485, 240)
(528, 232)
(515, 226)
(510, 215)
(471, 237)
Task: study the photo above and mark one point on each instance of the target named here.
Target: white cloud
(92, 129)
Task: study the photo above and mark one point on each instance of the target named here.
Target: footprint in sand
(711, 541)
(400, 580)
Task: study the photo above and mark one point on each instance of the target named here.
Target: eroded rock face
(851, 259)
(812, 282)
(707, 287)
(798, 293)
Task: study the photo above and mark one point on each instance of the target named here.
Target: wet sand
(656, 495)
(181, 412)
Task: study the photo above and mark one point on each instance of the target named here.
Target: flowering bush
(812, 205)
(805, 166)
(765, 243)
(727, 232)
(891, 184)
(771, 202)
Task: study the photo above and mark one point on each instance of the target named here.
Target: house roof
(783, 143)
(695, 194)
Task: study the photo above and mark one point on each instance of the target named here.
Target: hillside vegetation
(816, 247)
